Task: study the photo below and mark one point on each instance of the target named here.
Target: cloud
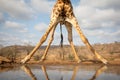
(42, 27)
(87, 13)
(16, 26)
(83, 11)
(94, 18)
(99, 19)
(102, 36)
(16, 9)
(107, 15)
(8, 39)
(24, 30)
(11, 24)
(1, 18)
(103, 4)
(42, 6)
(31, 35)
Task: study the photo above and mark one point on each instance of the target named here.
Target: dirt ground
(73, 62)
(111, 52)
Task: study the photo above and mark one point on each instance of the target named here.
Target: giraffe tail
(61, 35)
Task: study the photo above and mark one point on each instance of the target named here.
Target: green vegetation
(71, 57)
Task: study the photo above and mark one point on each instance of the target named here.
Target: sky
(25, 21)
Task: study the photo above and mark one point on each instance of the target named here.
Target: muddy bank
(58, 55)
(59, 62)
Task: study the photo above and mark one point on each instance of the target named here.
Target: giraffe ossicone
(63, 13)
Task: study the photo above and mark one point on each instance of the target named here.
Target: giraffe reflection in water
(28, 71)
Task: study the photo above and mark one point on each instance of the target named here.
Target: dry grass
(109, 51)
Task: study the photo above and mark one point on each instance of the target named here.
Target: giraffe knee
(43, 39)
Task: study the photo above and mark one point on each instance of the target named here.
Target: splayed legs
(43, 39)
(49, 43)
(69, 29)
(74, 22)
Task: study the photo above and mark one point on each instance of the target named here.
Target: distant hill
(1, 46)
(109, 51)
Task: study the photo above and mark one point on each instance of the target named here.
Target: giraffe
(63, 13)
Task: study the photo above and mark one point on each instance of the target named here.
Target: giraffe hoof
(27, 58)
(105, 61)
(23, 61)
(42, 59)
(78, 61)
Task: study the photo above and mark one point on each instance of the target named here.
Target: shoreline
(48, 62)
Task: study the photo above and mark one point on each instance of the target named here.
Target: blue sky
(25, 21)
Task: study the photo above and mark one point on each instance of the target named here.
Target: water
(60, 72)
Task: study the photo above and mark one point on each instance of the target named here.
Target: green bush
(70, 57)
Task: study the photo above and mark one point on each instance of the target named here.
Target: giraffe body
(63, 13)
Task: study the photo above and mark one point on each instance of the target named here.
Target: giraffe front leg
(76, 69)
(28, 71)
(74, 22)
(98, 72)
(43, 39)
(69, 29)
(45, 72)
(49, 43)
(28, 57)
